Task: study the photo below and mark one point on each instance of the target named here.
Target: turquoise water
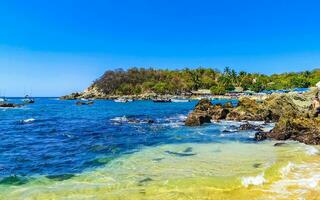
(53, 137)
(141, 150)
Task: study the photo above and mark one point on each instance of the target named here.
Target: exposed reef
(290, 112)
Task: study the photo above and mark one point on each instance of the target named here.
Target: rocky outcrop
(205, 111)
(260, 136)
(93, 92)
(248, 126)
(271, 109)
(10, 105)
(197, 118)
(200, 113)
(248, 109)
(289, 111)
(281, 105)
(306, 130)
(72, 96)
(218, 111)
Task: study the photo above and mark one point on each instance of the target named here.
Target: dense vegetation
(141, 80)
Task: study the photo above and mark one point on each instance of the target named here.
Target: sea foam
(120, 119)
(253, 180)
(310, 150)
(26, 121)
(286, 170)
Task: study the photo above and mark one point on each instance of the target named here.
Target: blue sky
(51, 48)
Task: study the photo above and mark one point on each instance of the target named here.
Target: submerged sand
(230, 170)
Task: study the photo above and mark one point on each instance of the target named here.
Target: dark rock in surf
(305, 130)
(10, 105)
(205, 111)
(260, 136)
(218, 112)
(197, 118)
(278, 144)
(248, 126)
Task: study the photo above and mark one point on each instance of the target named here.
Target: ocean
(141, 150)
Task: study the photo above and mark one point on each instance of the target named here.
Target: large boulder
(260, 136)
(271, 109)
(203, 105)
(203, 112)
(200, 113)
(248, 109)
(301, 129)
(218, 112)
(248, 126)
(196, 118)
(281, 105)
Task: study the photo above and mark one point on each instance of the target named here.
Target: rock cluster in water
(9, 105)
(290, 112)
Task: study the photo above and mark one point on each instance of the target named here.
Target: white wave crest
(286, 170)
(30, 120)
(120, 119)
(310, 150)
(253, 180)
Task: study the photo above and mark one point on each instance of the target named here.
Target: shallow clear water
(141, 150)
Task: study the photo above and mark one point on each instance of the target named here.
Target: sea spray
(253, 180)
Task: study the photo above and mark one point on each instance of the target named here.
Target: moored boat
(123, 100)
(161, 100)
(28, 99)
(180, 100)
(3, 99)
(80, 103)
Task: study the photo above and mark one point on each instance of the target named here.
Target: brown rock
(218, 112)
(196, 118)
(228, 105)
(259, 136)
(248, 109)
(281, 105)
(300, 129)
(248, 126)
(9, 105)
(203, 105)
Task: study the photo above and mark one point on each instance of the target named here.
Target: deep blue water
(53, 137)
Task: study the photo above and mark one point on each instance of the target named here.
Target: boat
(28, 99)
(122, 100)
(80, 103)
(161, 100)
(3, 99)
(180, 100)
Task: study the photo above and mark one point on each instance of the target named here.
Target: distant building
(249, 92)
(238, 89)
(201, 92)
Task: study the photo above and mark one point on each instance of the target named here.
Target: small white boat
(121, 100)
(28, 100)
(3, 100)
(180, 100)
